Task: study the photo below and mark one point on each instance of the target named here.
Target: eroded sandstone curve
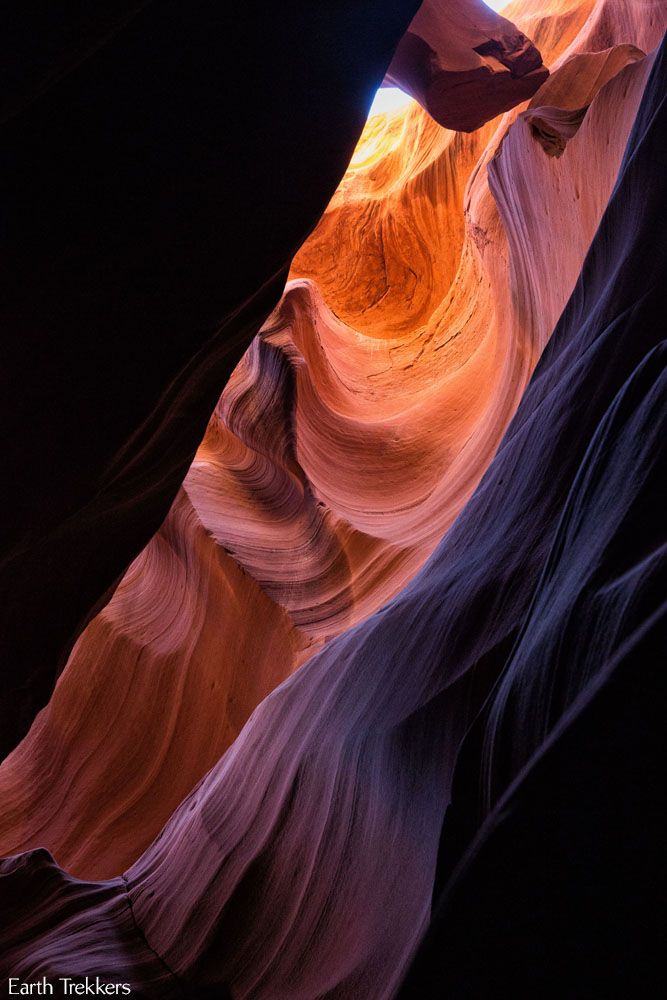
(312, 396)
(303, 863)
(341, 451)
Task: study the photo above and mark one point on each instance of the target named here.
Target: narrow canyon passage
(240, 778)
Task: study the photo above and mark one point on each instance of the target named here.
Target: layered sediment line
(303, 863)
(133, 179)
(405, 566)
(335, 460)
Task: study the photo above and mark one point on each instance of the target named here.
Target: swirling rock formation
(555, 827)
(303, 863)
(315, 878)
(126, 130)
(335, 461)
(310, 397)
(561, 105)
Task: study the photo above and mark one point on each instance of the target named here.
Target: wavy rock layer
(303, 863)
(336, 459)
(556, 826)
(121, 317)
(249, 884)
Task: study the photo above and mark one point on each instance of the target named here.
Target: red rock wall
(346, 443)
(346, 565)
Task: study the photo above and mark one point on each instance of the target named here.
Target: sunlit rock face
(344, 446)
(333, 534)
(121, 315)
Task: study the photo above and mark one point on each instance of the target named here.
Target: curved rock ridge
(465, 64)
(558, 109)
(121, 317)
(335, 461)
(556, 825)
(591, 25)
(302, 865)
(157, 687)
(112, 940)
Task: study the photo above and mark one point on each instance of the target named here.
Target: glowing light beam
(388, 99)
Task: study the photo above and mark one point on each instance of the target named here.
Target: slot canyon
(332, 572)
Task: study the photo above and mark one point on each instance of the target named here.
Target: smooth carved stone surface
(148, 232)
(465, 64)
(303, 863)
(335, 461)
(557, 110)
(361, 552)
(553, 842)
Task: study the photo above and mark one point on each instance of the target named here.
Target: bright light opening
(389, 99)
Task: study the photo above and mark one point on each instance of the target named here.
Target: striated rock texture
(337, 461)
(333, 464)
(144, 149)
(339, 454)
(559, 108)
(550, 859)
(330, 469)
